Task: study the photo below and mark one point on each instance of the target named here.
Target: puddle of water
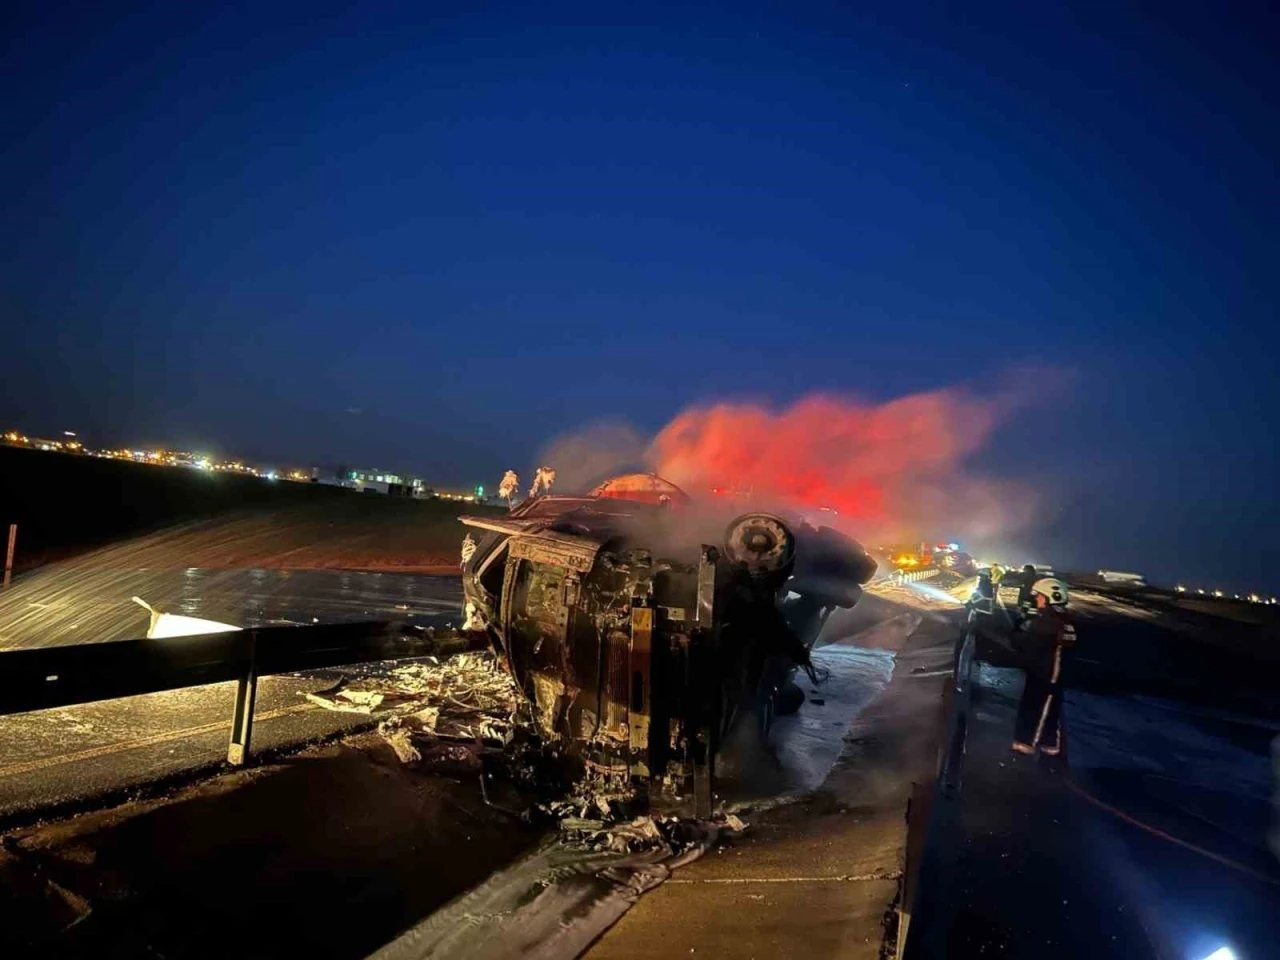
(810, 741)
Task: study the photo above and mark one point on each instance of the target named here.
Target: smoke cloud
(893, 472)
(598, 451)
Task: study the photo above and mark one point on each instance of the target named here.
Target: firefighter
(984, 593)
(1028, 580)
(1026, 600)
(1041, 640)
(995, 576)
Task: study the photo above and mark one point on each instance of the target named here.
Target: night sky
(435, 236)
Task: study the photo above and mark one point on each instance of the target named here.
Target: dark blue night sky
(232, 225)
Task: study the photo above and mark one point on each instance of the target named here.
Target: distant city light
(200, 461)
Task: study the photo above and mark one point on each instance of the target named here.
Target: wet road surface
(76, 604)
(1147, 839)
(76, 754)
(57, 757)
(361, 839)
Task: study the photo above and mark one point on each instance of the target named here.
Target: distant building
(391, 484)
(1122, 578)
(375, 476)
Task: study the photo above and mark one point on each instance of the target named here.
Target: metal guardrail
(1008, 593)
(914, 576)
(48, 677)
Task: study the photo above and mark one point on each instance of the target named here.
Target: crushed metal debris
(401, 742)
(599, 817)
(556, 902)
(427, 708)
(348, 701)
(464, 697)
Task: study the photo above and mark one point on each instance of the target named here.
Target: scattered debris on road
(554, 903)
(401, 742)
(164, 625)
(463, 697)
(346, 701)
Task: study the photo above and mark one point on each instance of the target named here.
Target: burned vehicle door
(540, 594)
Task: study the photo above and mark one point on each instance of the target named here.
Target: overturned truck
(639, 642)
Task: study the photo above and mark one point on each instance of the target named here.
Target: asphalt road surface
(79, 603)
(64, 756)
(69, 756)
(337, 849)
(1147, 839)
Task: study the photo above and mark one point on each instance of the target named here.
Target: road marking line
(156, 738)
(1177, 841)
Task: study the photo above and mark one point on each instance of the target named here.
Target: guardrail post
(8, 556)
(242, 718)
(702, 668)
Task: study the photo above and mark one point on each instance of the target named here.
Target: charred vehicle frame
(639, 646)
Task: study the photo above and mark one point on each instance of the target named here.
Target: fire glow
(892, 472)
(886, 470)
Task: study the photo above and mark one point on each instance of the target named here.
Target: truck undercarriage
(640, 646)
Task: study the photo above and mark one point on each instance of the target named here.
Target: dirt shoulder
(330, 853)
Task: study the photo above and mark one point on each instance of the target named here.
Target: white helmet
(1055, 591)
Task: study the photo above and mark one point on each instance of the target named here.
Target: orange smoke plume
(892, 471)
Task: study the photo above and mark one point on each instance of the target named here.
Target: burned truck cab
(636, 647)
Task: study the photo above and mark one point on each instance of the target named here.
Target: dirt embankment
(351, 533)
(67, 506)
(328, 854)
